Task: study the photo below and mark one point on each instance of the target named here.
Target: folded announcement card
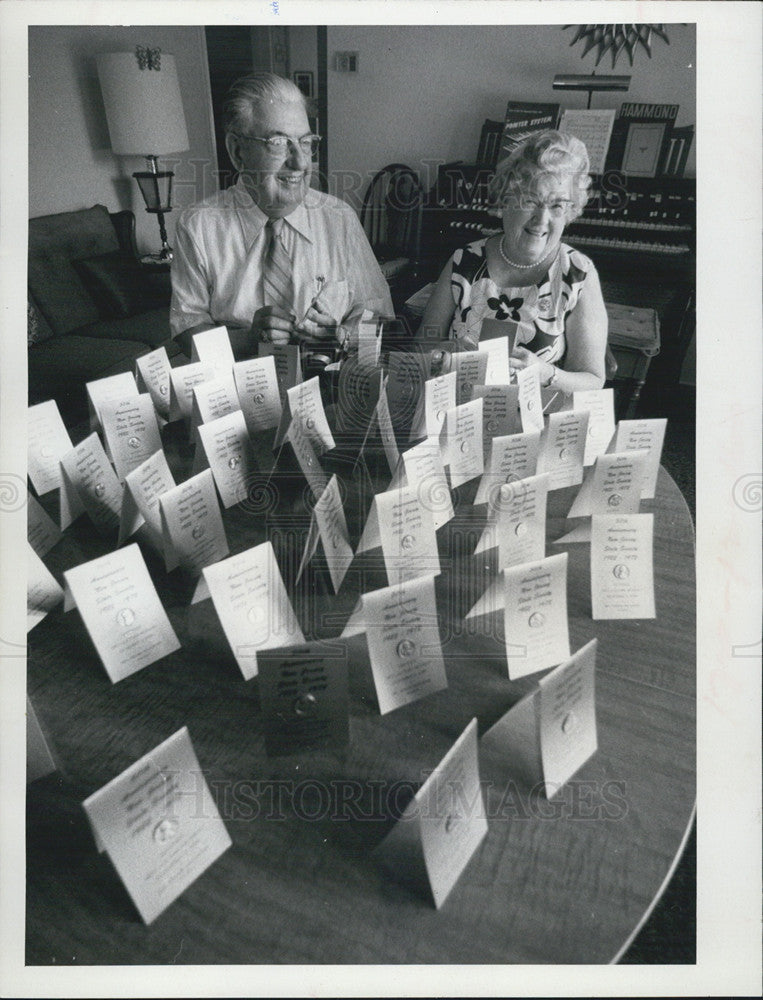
(400, 623)
(439, 397)
(444, 823)
(516, 522)
(613, 485)
(228, 449)
(470, 368)
(510, 457)
(252, 604)
(422, 470)
(370, 330)
(213, 399)
(535, 615)
(287, 362)
(122, 611)
(192, 529)
(386, 428)
(601, 420)
(140, 499)
(530, 401)
(304, 697)
(562, 447)
(306, 457)
(463, 442)
(182, 381)
(258, 394)
(551, 733)
(212, 347)
(47, 442)
(88, 483)
(41, 530)
(159, 824)
(649, 435)
(102, 389)
(405, 529)
(622, 578)
(130, 430)
(331, 529)
(43, 592)
(497, 352)
(500, 410)
(304, 406)
(152, 373)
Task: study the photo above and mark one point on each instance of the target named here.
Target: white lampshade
(144, 108)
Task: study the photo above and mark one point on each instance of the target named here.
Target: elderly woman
(526, 274)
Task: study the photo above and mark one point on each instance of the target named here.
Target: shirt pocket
(334, 299)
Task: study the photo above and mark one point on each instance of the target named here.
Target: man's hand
(272, 325)
(316, 328)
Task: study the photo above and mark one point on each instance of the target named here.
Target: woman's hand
(272, 325)
(522, 358)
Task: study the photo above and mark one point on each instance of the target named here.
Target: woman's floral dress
(540, 311)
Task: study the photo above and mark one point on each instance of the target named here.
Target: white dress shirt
(219, 246)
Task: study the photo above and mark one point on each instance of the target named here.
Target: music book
(521, 120)
(593, 126)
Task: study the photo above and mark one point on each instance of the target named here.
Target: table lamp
(144, 111)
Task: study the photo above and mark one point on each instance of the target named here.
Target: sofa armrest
(124, 226)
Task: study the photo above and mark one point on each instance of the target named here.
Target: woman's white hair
(251, 93)
(545, 154)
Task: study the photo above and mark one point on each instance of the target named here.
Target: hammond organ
(652, 218)
(640, 233)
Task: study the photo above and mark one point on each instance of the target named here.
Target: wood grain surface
(561, 881)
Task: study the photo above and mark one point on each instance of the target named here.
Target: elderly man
(270, 258)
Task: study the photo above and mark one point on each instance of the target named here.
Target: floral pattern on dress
(540, 310)
(506, 308)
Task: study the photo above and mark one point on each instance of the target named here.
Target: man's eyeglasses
(280, 145)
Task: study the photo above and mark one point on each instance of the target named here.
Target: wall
(71, 165)
(422, 93)
(303, 50)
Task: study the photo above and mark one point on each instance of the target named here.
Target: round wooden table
(563, 881)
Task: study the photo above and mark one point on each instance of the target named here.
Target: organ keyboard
(648, 218)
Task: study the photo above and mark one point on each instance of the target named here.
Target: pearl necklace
(523, 267)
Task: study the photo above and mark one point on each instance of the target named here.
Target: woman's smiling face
(533, 222)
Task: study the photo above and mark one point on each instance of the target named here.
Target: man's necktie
(277, 284)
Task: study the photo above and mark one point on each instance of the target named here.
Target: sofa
(92, 306)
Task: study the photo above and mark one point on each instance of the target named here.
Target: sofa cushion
(151, 328)
(60, 367)
(118, 284)
(54, 242)
(58, 290)
(37, 328)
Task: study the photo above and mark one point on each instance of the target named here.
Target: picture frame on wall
(304, 79)
(643, 149)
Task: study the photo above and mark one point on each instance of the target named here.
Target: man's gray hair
(248, 95)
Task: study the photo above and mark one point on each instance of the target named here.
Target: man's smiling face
(277, 182)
